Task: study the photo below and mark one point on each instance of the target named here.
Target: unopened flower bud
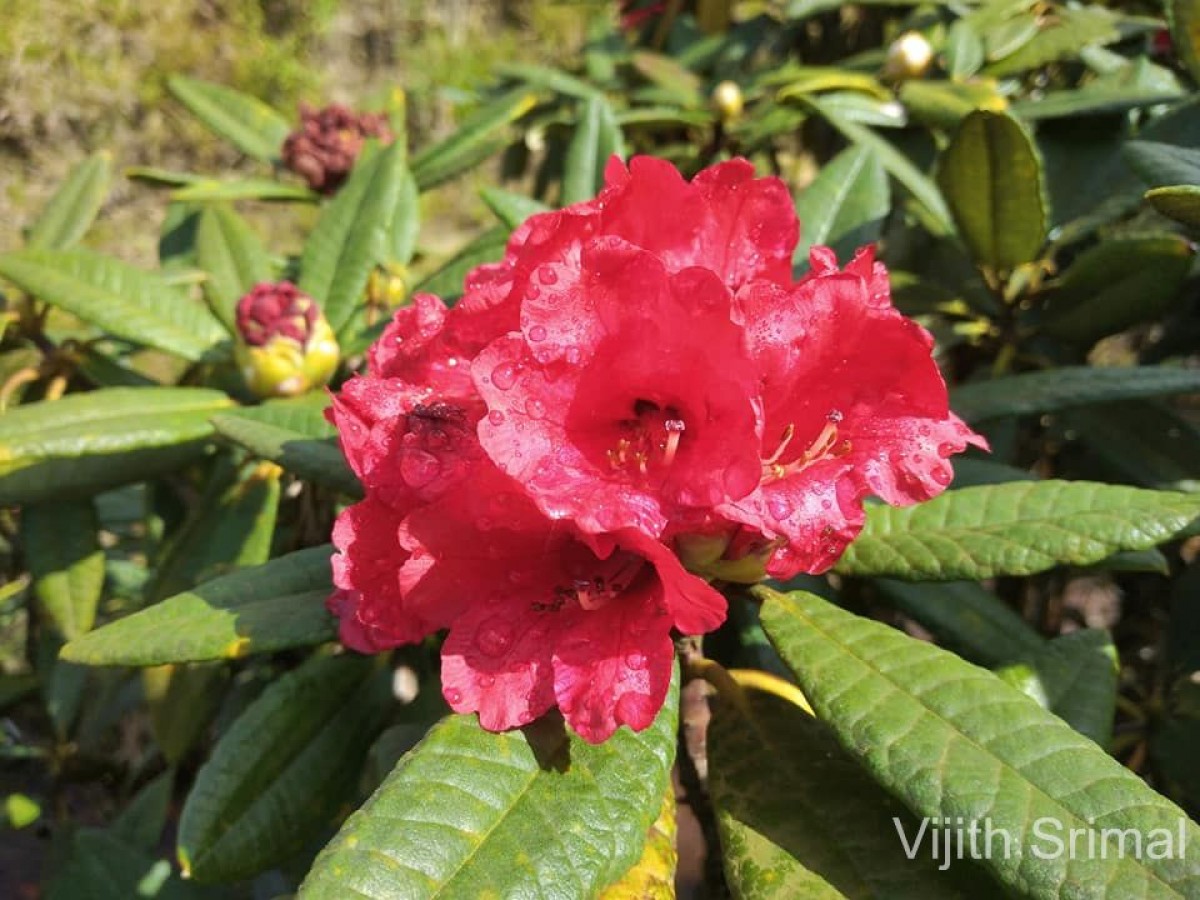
(739, 556)
(909, 56)
(727, 100)
(285, 346)
(387, 286)
(323, 149)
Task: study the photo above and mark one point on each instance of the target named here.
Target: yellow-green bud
(723, 557)
(388, 286)
(909, 56)
(285, 346)
(727, 100)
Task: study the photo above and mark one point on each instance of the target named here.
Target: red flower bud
(323, 149)
(285, 345)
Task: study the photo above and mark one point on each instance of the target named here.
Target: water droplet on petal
(826, 504)
(635, 709)
(946, 449)
(453, 696)
(537, 333)
(494, 636)
(487, 680)
(504, 376)
(572, 356)
(418, 468)
(941, 475)
(778, 507)
(835, 416)
(496, 417)
(547, 275)
(636, 660)
(535, 408)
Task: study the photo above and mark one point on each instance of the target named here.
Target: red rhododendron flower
(640, 375)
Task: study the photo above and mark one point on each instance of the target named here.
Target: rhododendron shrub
(639, 376)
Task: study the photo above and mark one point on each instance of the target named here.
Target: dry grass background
(77, 76)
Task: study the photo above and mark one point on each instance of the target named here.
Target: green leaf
(141, 822)
(246, 122)
(1061, 36)
(470, 812)
(1184, 19)
(88, 442)
(963, 51)
(70, 212)
(234, 258)
(126, 302)
(922, 188)
(944, 104)
(1144, 443)
(314, 459)
(208, 190)
(845, 206)
(1118, 283)
(1075, 677)
(1109, 94)
(101, 866)
(230, 526)
(406, 221)
(279, 775)
(447, 281)
(798, 816)
(597, 137)
(511, 209)
(680, 84)
(271, 607)
(352, 236)
(1018, 528)
(547, 78)
(991, 176)
(1160, 165)
(970, 619)
(63, 555)
(953, 741)
(1066, 387)
(480, 136)
(1180, 202)
(182, 702)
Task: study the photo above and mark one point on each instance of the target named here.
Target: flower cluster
(323, 149)
(639, 381)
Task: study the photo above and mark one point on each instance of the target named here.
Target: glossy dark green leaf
(74, 206)
(469, 812)
(246, 122)
(597, 137)
(1068, 386)
(845, 206)
(88, 442)
(1075, 677)
(1143, 443)
(124, 301)
(1161, 165)
(991, 177)
(234, 258)
(1018, 528)
(99, 865)
(922, 188)
(313, 457)
(62, 552)
(351, 236)
(257, 610)
(182, 701)
(511, 209)
(953, 741)
(1060, 36)
(481, 135)
(799, 817)
(1118, 283)
(279, 775)
(967, 617)
(231, 525)
(447, 281)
